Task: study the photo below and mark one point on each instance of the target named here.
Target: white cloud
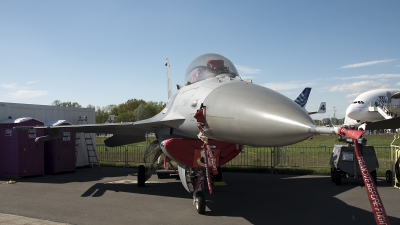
(376, 62)
(32, 82)
(8, 86)
(376, 76)
(398, 84)
(353, 95)
(359, 87)
(28, 94)
(287, 85)
(397, 65)
(246, 70)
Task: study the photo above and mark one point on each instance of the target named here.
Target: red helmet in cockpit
(209, 66)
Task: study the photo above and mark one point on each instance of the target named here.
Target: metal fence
(289, 156)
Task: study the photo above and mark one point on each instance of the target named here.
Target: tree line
(130, 111)
(329, 121)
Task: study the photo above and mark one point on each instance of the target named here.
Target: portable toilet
(60, 153)
(20, 155)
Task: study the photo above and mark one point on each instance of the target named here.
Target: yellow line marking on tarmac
(131, 182)
(219, 183)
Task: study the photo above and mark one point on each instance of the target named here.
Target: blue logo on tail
(302, 99)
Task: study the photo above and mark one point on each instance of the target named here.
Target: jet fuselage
(238, 112)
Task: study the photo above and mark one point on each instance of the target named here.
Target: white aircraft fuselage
(364, 107)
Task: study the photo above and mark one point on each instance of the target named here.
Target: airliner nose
(246, 113)
(352, 112)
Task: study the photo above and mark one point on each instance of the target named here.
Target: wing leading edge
(124, 133)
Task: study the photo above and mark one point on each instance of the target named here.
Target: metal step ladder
(88, 141)
(381, 110)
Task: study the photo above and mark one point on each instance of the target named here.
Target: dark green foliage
(66, 104)
(103, 113)
(127, 116)
(134, 110)
(130, 111)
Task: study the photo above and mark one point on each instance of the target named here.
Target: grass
(100, 141)
(330, 140)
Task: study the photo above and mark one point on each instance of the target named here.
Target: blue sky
(106, 52)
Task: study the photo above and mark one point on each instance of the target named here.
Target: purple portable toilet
(60, 154)
(20, 155)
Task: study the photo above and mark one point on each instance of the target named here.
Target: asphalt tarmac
(110, 196)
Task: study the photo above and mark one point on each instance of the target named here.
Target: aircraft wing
(393, 123)
(127, 128)
(124, 133)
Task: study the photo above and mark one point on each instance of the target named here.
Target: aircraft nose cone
(250, 114)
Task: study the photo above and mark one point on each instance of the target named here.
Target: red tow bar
(374, 198)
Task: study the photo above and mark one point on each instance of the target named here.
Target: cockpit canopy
(209, 66)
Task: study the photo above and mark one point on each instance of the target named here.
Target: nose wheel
(141, 176)
(200, 202)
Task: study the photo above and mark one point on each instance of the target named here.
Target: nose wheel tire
(389, 176)
(218, 177)
(141, 176)
(374, 177)
(338, 177)
(200, 202)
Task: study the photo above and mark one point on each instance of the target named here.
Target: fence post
(126, 157)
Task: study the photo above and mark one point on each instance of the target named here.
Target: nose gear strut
(198, 195)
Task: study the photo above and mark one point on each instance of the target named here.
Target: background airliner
(374, 105)
(302, 99)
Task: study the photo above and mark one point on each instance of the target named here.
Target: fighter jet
(206, 123)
